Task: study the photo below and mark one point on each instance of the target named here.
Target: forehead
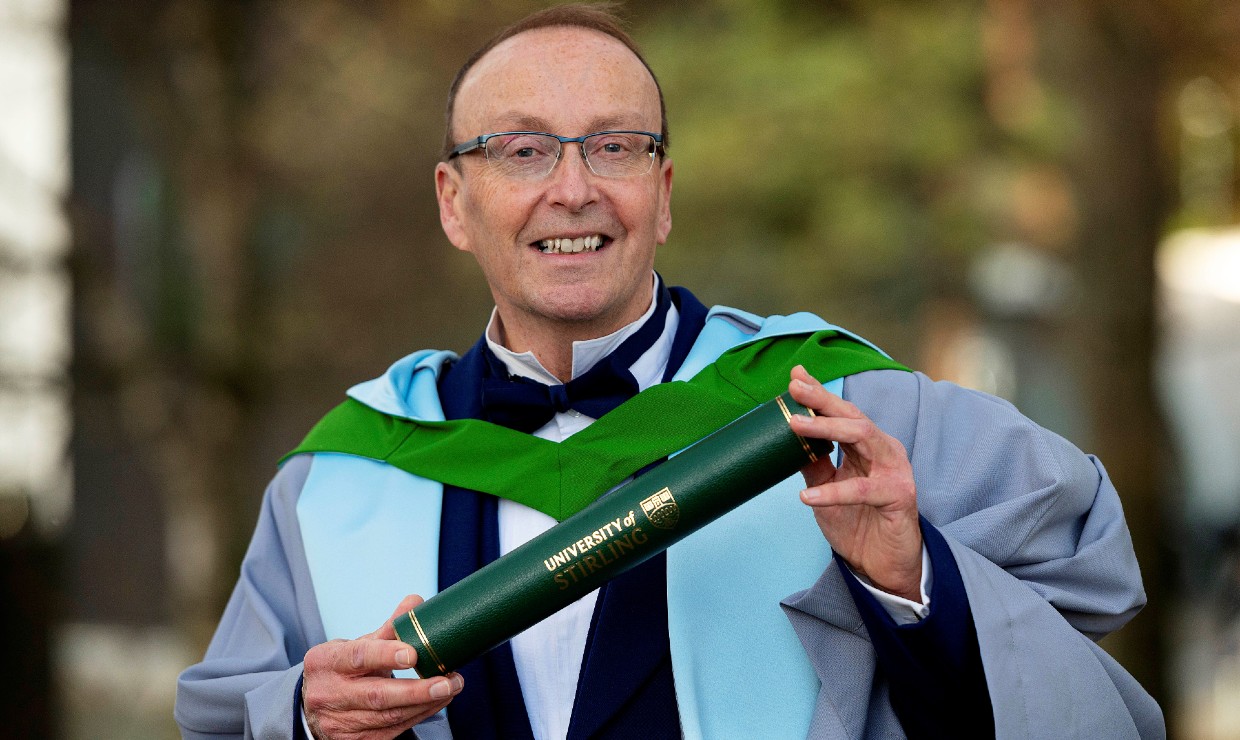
(564, 78)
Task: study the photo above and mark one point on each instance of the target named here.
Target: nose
(571, 184)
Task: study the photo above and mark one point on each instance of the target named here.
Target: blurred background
(216, 216)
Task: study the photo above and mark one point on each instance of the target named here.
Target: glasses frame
(480, 143)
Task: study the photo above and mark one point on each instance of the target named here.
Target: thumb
(820, 472)
(387, 631)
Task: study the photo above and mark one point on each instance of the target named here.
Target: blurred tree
(230, 159)
(1107, 62)
(1122, 65)
(27, 569)
(829, 158)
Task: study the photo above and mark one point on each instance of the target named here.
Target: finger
(400, 694)
(810, 393)
(387, 631)
(368, 655)
(834, 428)
(877, 493)
(861, 437)
(432, 690)
(343, 719)
(819, 472)
(366, 723)
(375, 702)
(800, 373)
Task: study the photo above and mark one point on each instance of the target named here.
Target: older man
(977, 554)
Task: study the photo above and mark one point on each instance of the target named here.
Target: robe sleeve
(933, 668)
(245, 684)
(1038, 533)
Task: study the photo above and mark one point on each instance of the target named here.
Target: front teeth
(569, 246)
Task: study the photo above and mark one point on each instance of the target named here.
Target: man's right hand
(348, 690)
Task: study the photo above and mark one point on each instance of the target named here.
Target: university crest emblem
(661, 510)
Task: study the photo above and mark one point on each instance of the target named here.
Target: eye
(614, 146)
(522, 146)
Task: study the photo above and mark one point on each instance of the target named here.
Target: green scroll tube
(615, 533)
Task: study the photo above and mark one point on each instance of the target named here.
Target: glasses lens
(523, 155)
(619, 155)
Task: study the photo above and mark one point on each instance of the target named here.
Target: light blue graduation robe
(1035, 526)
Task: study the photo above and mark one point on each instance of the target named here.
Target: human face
(568, 81)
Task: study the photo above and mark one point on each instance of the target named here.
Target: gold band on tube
(788, 417)
(422, 636)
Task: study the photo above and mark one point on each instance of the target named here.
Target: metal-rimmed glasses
(530, 155)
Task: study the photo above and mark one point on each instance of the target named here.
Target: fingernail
(458, 683)
(802, 385)
(809, 496)
(404, 658)
(441, 689)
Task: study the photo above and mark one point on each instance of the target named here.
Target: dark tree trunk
(1107, 62)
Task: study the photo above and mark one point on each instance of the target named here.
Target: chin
(583, 307)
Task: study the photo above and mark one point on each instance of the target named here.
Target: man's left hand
(867, 507)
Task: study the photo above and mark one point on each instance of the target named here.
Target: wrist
(309, 728)
(905, 583)
(901, 609)
(909, 588)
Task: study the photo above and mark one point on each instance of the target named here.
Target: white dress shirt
(548, 655)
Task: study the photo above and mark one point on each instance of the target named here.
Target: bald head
(596, 18)
(561, 79)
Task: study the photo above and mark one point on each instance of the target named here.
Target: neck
(552, 344)
(551, 340)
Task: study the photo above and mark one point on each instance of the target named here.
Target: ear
(665, 198)
(448, 188)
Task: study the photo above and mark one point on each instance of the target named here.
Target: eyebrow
(524, 122)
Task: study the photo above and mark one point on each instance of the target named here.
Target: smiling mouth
(567, 245)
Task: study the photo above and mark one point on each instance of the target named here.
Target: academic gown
(1035, 527)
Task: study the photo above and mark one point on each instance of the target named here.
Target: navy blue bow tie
(526, 405)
